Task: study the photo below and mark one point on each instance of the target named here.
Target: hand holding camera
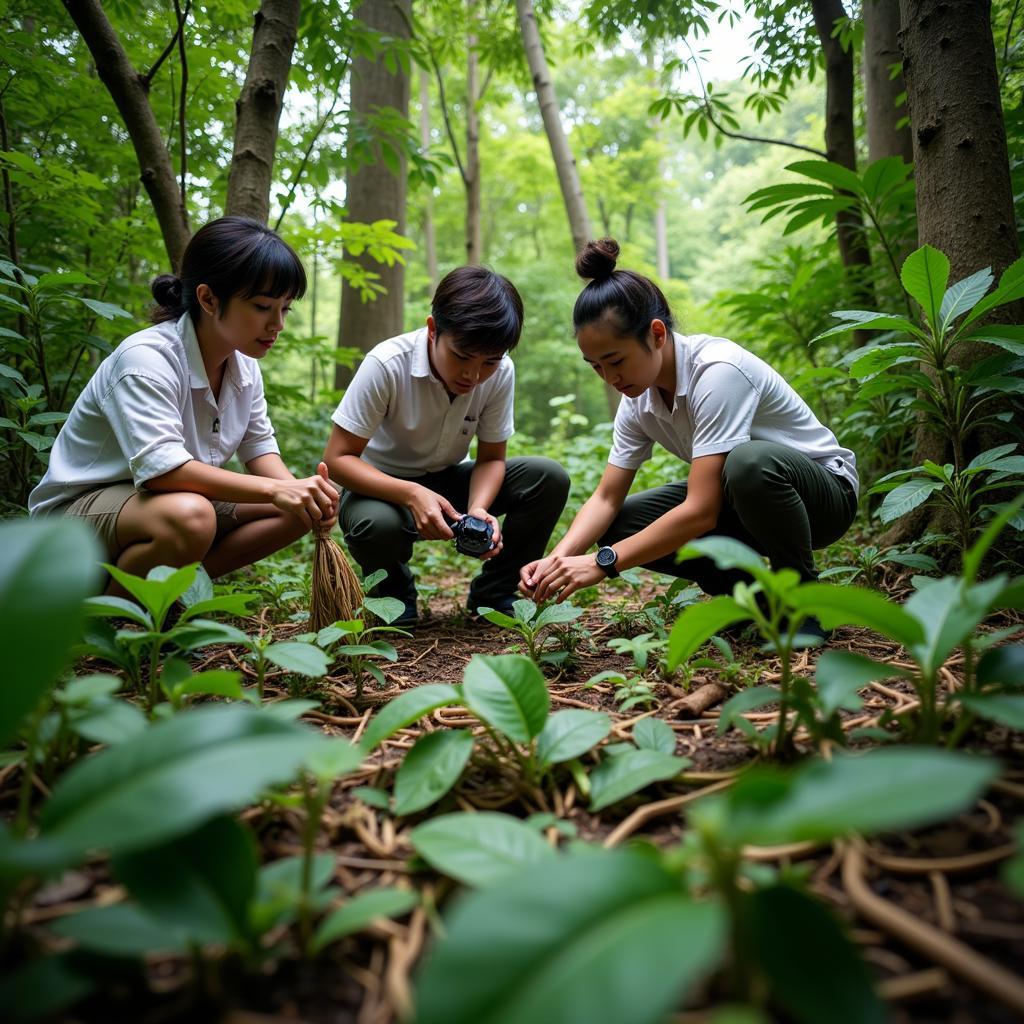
(473, 536)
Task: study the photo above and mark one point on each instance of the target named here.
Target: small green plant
(630, 691)
(868, 560)
(531, 621)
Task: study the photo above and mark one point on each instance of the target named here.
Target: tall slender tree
(884, 112)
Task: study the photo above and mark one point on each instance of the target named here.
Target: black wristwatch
(606, 559)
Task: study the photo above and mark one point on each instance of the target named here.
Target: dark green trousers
(381, 535)
(777, 501)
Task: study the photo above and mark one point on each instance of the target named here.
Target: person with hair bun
(763, 469)
(400, 443)
(140, 455)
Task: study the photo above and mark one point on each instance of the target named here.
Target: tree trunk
(130, 92)
(881, 90)
(373, 192)
(258, 109)
(661, 240)
(474, 247)
(565, 165)
(840, 140)
(429, 241)
(964, 196)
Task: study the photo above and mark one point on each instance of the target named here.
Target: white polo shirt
(148, 409)
(412, 425)
(724, 397)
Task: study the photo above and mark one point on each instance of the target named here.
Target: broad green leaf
(407, 708)
(335, 758)
(191, 767)
(293, 656)
(279, 890)
(47, 569)
(884, 789)
(963, 295)
(570, 733)
(829, 172)
(59, 280)
(595, 936)
(814, 971)
(1009, 289)
(882, 176)
(555, 614)
(654, 734)
(202, 590)
(110, 722)
(626, 773)
(233, 604)
(200, 885)
(863, 319)
(924, 275)
(878, 359)
(479, 849)
(288, 710)
(975, 555)
(159, 590)
(118, 607)
(361, 910)
(1004, 708)
(1008, 337)
(990, 457)
(387, 609)
(698, 623)
(107, 310)
(751, 699)
(84, 689)
(432, 766)
(840, 674)
(498, 618)
(856, 606)
(524, 609)
(216, 682)
(121, 930)
(905, 498)
(1002, 665)
(508, 691)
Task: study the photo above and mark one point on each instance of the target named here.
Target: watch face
(606, 556)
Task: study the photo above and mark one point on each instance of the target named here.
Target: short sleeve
(723, 402)
(144, 413)
(497, 421)
(366, 400)
(259, 436)
(631, 447)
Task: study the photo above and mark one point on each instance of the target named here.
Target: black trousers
(381, 535)
(777, 501)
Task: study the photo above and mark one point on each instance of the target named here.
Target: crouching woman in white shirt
(763, 469)
(140, 455)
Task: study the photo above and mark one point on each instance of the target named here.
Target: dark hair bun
(597, 260)
(167, 291)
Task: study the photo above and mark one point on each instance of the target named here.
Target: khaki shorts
(100, 509)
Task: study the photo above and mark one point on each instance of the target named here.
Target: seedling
(530, 621)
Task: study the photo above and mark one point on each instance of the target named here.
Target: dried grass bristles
(335, 592)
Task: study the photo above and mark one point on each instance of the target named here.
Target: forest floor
(946, 878)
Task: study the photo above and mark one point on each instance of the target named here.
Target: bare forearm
(270, 465)
(665, 535)
(355, 474)
(485, 482)
(217, 484)
(591, 522)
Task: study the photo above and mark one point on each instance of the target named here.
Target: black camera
(473, 536)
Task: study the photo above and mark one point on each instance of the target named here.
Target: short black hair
(479, 309)
(232, 256)
(630, 300)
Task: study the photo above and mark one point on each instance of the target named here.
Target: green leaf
(200, 885)
(1008, 337)
(407, 708)
(387, 609)
(856, 606)
(654, 734)
(698, 623)
(361, 910)
(432, 766)
(107, 310)
(1002, 665)
(596, 936)
(1003, 708)
(279, 891)
(294, 656)
(335, 758)
(924, 275)
(84, 689)
(508, 692)
(191, 767)
(47, 281)
(905, 498)
(814, 970)
(555, 614)
(1009, 289)
(232, 604)
(47, 568)
(479, 849)
(975, 554)
(110, 722)
(963, 295)
(948, 612)
(626, 773)
(884, 789)
(118, 607)
(121, 930)
(216, 683)
(571, 733)
(159, 590)
(746, 700)
(829, 172)
(840, 674)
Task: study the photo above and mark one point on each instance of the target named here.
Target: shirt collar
(650, 401)
(421, 356)
(237, 371)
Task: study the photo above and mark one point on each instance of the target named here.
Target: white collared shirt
(724, 397)
(412, 426)
(148, 409)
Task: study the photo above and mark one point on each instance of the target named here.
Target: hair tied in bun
(597, 260)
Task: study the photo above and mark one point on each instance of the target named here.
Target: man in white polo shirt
(402, 434)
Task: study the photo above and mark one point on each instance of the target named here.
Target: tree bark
(881, 90)
(565, 164)
(373, 192)
(429, 241)
(258, 109)
(130, 94)
(474, 243)
(840, 140)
